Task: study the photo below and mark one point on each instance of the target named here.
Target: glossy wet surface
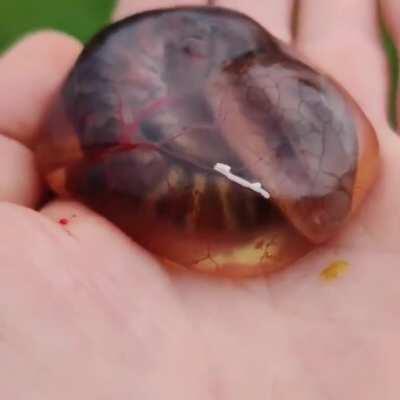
(207, 141)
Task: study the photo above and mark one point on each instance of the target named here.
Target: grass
(80, 18)
(394, 73)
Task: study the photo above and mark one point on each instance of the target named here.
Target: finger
(19, 179)
(342, 37)
(391, 15)
(129, 7)
(275, 16)
(30, 74)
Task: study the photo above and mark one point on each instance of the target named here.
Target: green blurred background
(82, 18)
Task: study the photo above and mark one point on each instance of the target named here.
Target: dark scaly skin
(157, 100)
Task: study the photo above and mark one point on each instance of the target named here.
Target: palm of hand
(84, 313)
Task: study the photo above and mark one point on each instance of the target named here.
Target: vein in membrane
(225, 170)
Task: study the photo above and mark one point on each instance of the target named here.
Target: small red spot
(63, 221)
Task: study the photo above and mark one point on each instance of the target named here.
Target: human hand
(87, 314)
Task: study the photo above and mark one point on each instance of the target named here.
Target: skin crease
(86, 314)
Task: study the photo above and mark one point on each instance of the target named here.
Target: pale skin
(87, 314)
